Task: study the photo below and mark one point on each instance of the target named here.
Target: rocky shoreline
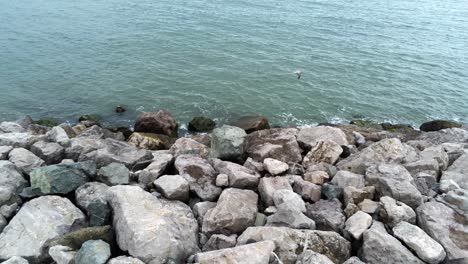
(239, 193)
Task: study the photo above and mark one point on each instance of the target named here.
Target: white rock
(125, 260)
(16, 260)
(18, 140)
(58, 134)
(173, 187)
(346, 178)
(275, 167)
(309, 257)
(357, 224)
(4, 150)
(393, 212)
(62, 254)
(255, 253)
(290, 199)
(25, 160)
(11, 127)
(222, 180)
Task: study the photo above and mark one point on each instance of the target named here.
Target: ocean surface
(402, 61)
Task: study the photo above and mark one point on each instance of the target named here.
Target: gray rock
(200, 209)
(423, 245)
(227, 143)
(235, 211)
(50, 152)
(152, 229)
(324, 151)
(269, 185)
(90, 192)
(275, 167)
(369, 206)
(309, 137)
(309, 256)
(125, 260)
(200, 175)
(453, 135)
(260, 219)
(4, 150)
(93, 252)
(350, 209)
(289, 241)
(173, 187)
(220, 242)
(255, 253)
(357, 224)
(188, 146)
(59, 135)
(239, 176)
(62, 254)
(353, 260)
(445, 226)
(79, 147)
(327, 214)
(11, 127)
(307, 190)
(16, 260)
(276, 143)
(19, 140)
(114, 174)
(355, 196)
(448, 185)
(3, 223)
(290, 217)
(393, 212)
(380, 247)
(331, 191)
(25, 160)
(346, 178)
(436, 153)
(458, 172)
(10, 178)
(222, 180)
(425, 182)
(359, 138)
(37, 221)
(289, 199)
(456, 199)
(395, 181)
(254, 165)
(423, 165)
(156, 168)
(389, 150)
(316, 177)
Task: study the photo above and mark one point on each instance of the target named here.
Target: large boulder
(309, 137)
(327, 214)
(445, 226)
(395, 181)
(235, 211)
(151, 229)
(239, 176)
(160, 122)
(188, 146)
(389, 150)
(277, 143)
(91, 198)
(38, 221)
(50, 152)
(25, 160)
(324, 151)
(251, 123)
(437, 125)
(227, 143)
(255, 253)
(291, 242)
(458, 172)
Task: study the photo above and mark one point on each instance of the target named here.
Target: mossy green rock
(76, 239)
(201, 124)
(46, 122)
(402, 128)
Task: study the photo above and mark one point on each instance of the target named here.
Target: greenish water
(400, 61)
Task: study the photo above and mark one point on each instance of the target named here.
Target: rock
(146, 141)
(152, 229)
(357, 224)
(201, 124)
(254, 165)
(94, 118)
(59, 135)
(227, 143)
(437, 125)
(187, 146)
(18, 140)
(25, 160)
(93, 252)
(345, 178)
(289, 241)
(98, 132)
(37, 221)
(324, 151)
(16, 260)
(389, 150)
(448, 185)
(309, 256)
(173, 187)
(51, 153)
(156, 168)
(62, 254)
(359, 139)
(10, 178)
(260, 219)
(393, 212)
(220, 242)
(327, 214)
(355, 196)
(4, 150)
(290, 217)
(25, 121)
(453, 135)
(200, 175)
(456, 199)
(307, 190)
(125, 260)
(316, 177)
(90, 192)
(309, 137)
(222, 180)
(445, 226)
(113, 174)
(331, 191)
(437, 153)
(369, 206)
(275, 167)
(353, 260)
(269, 185)
(395, 181)
(160, 122)
(200, 209)
(251, 123)
(458, 172)
(235, 211)
(289, 199)
(3, 223)
(425, 183)
(350, 210)
(423, 245)
(381, 247)
(255, 253)
(11, 127)
(76, 239)
(276, 143)
(239, 176)
(62, 178)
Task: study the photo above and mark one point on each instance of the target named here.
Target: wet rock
(152, 229)
(327, 214)
(37, 221)
(19, 140)
(256, 253)
(239, 176)
(252, 123)
(276, 143)
(114, 174)
(437, 125)
(345, 178)
(160, 122)
(309, 137)
(62, 254)
(4, 150)
(51, 153)
(307, 190)
(220, 242)
(93, 252)
(187, 146)
(357, 224)
(201, 124)
(423, 245)
(458, 172)
(146, 141)
(173, 187)
(324, 151)
(395, 181)
(309, 256)
(125, 260)
(227, 143)
(316, 177)
(355, 196)
(235, 211)
(275, 167)
(393, 212)
(25, 160)
(269, 185)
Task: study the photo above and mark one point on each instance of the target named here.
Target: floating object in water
(119, 109)
(298, 74)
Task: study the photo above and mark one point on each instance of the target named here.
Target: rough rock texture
(93, 252)
(346, 178)
(59, 135)
(275, 167)
(10, 178)
(454, 135)
(173, 187)
(309, 256)
(327, 214)
(289, 241)
(75, 239)
(255, 253)
(356, 196)
(62, 254)
(423, 245)
(201, 124)
(16, 260)
(25, 160)
(146, 141)
(19, 140)
(219, 242)
(276, 143)
(316, 177)
(458, 172)
(239, 176)
(152, 229)
(235, 211)
(125, 260)
(114, 174)
(188, 146)
(309, 137)
(357, 224)
(307, 190)
(156, 168)
(380, 247)
(290, 217)
(37, 221)
(160, 122)
(289, 199)
(353, 260)
(324, 151)
(393, 212)
(50, 152)
(445, 226)
(11, 127)
(269, 185)
(227, 143)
